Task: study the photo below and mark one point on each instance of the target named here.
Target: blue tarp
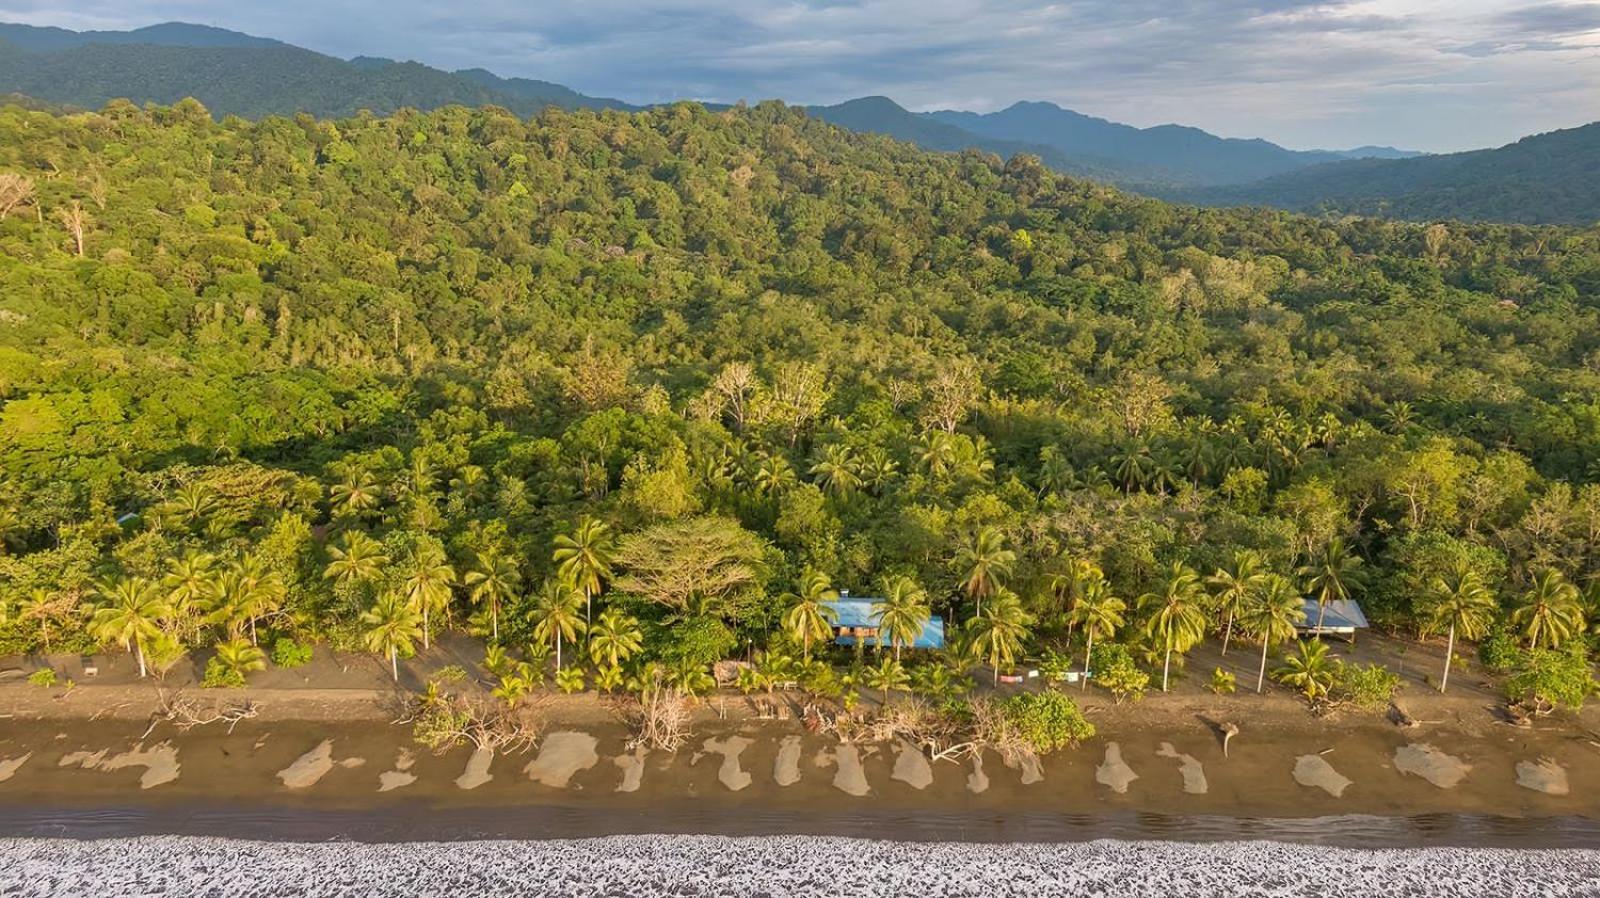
(857, 612)
(1343, 614)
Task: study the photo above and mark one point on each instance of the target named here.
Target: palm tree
(355, 495)
(584, 559)
(239, 657)
(1099, 612)
(614, 638)
(1271, 614)
(987, 563)
(359, 560)
(997, 635)
(1331, 575)
(44, 609)
(190, 583)
(1231, 589)
(193, 503)
(254, 591)
(132, 614)
(493, 582)
(889, 674)
(1550, 611)
(1177, 619)
(429, 578)
(837, 471)
(1460, 603)
(903, 612)
(393, 625)
(555, 614)
(1311, 671)
(810, 616)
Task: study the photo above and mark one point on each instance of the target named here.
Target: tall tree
(1459, 603)
(1550, 612)
(996, 636)
(1233, 586)
(1331, 575)
(555, 615)
(492, 582)
(986, 563)
(584, 559)
(903, 612)
(393, 626)
(1271, 613)
(1177, 619)
(614, 638)
(809, 615)
(1099, 612)
(428, 582)
(132, 614)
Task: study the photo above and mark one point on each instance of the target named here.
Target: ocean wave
(777, 866)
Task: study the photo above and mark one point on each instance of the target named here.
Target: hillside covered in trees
(336, 378)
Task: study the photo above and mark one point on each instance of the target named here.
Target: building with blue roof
(1342, 616)
(854, 619)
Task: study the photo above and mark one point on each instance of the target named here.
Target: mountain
(237, 74)
(1551, 178)
(1179, 155)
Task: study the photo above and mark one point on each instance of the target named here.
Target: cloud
(1305, 72)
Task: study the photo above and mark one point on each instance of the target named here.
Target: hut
(854, 619)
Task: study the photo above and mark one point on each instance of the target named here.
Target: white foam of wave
(799, 866)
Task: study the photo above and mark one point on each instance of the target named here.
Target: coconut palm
(192, 503)
(1270, 614)
(996, 635)
(44, 609)
(1177, 618)
(355, 495)
(555, 614)
(493, 581)
(1457, 602)
(903, 612)
(1550, 611)
(837, 471)
(1232, 587)
(427, 583)
(393, 625)
(191, 586)
(888, 675)
(239, 657)
(614, 637)
(132, 614)
(1311, 670)
(774, 475)
(584, 559)
(253, 591)
(1100, 613)
(358, 560)
(1331, 575)
(810, 616)
(986, 563)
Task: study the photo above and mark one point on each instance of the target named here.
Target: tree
(359, 560)
(809, 615)
(888, 675)
(1311, 670)
(1459, 603)
(1271, 614)
(76, 221)
(584, 559)
(16, 191)
(428, 581)
(1550, 612)
(1232, 588)
(700, 565)
(614, 637)
(492, 583)
(393, 626)
(952, 393)
(903, 612)
(1330, 575)
(191, 584)
(837, 471)
(247, 592)
(996, 635)
(237, 657)
(132, 615)
(355, 495)
(1099, 612)
(986, 562)
(1177, 620)
(555, 615)
(44, 609)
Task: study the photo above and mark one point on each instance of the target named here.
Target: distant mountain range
(1550, 178)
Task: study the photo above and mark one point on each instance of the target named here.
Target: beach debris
(1543, 775)
(730, 773)
(562, 756)
(786, 769)
(1115, 772)
(1229, 730)
(10, 766)
(911, 766)
(476, 772)
(659, 716)
(1315, 772)
(632, 765)
(1193, 772)
(1421, 759)
(185, 714)
(442, 721)
(1400, 718)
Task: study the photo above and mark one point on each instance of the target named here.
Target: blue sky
(1426, 74)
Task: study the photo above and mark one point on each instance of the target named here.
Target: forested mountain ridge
(1549, 178)
(298, 350)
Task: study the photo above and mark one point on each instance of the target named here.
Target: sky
(1434, 75)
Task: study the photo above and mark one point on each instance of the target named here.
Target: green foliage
(44, 676)
(290, 654)
(1115, 669)
(1499, 651)
(1047, 720)
(1367, 686)
(219, 675)
(1310, 670)
(570, 680)
(1223, 682)
(1561, 677)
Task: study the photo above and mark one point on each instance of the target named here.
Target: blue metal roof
(857, 612)
(1342, 614)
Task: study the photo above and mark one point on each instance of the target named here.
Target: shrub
(220, 676)
(1114, 668)
(1223, 682)
(288, 653)
(1558, 676)
(570, 680)
(44, 676)
(1499, 650)
(1047, 720)
(1367, 686)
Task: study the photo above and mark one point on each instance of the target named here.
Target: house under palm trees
(1342, 617)
(854, 618)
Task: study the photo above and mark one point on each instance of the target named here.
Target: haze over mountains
(1544, 179)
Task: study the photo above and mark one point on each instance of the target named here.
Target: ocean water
(639, 865)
